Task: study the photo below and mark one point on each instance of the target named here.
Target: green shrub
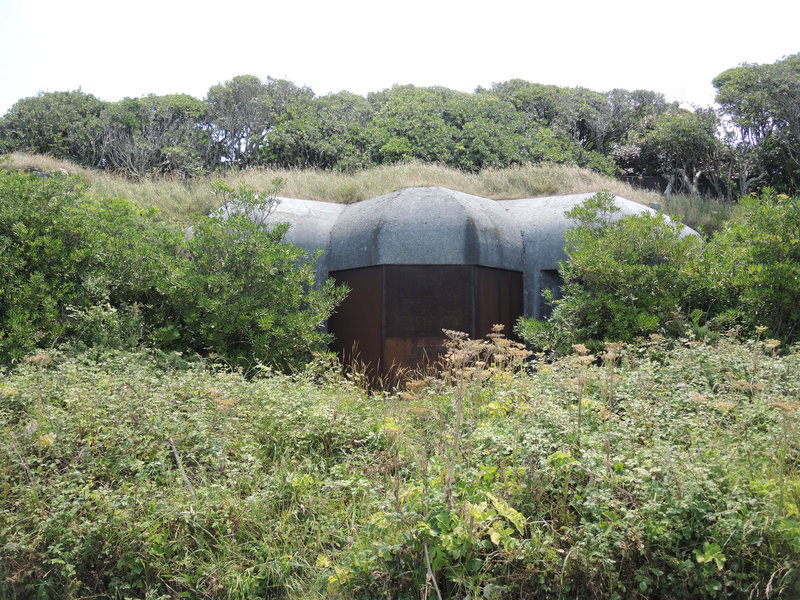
(240, 291)
(754, 263)
(637, 276)
(101, 272)
(62, 253)
(623, 278)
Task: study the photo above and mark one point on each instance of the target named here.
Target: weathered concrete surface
(438, 226)
(425, 226)
(310, 224)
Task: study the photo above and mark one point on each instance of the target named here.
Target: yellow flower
(47, 439)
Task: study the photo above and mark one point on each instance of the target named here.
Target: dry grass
(182, 199)
(517, 182)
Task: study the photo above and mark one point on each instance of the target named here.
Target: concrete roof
(425, 225)
(434, 225)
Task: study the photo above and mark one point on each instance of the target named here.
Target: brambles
(685, 484)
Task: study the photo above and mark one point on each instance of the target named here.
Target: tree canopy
(752, 137)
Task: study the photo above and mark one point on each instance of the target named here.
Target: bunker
(422, 259)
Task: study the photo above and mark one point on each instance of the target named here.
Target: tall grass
(706, 215)
(182, 199)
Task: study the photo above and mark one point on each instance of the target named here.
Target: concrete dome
(310, 223)
(439, 226)
(425, 226)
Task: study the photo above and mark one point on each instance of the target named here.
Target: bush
(96, 272)
(637, 276)
(754, 263)
(624, 278)
(63, 254)
(244, 293)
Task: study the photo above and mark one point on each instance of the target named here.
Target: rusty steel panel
(423, 299)
(395, 314)
(499, 300)
(356, 324)
(411, 352)
(420, 301)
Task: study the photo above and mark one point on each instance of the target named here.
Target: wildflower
(785, 406)
(47, 439)
(40, 360)
(580, 349)
(612, 350)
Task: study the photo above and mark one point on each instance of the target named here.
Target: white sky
(115, 49)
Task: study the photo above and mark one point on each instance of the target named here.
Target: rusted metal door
(394, 314)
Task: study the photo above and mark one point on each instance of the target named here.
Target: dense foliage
(754, 264)
(763, 104)
(246, 122)
(657, 471)
(246, 294)
(626, 278)
(86, 271)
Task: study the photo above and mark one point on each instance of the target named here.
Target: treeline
(245, 122)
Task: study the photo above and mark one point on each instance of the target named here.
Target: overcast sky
(117, 49)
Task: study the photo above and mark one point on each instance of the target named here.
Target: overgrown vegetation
(665, 468)
(626, 278)
(87, 271)
(187, 199)
(662, 470)
(168, 429)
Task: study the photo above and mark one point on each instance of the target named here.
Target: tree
(562, 125)
(409, 123)
(632, 111)
(241, 113)
(754, 264)
(154, 135)
(537, 102)
(66, 255)
(488, 132)
(329, 132)
(763, 103)
(578, 113)
(62, 124)
(687, 149)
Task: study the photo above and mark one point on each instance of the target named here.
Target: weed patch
(663, 470)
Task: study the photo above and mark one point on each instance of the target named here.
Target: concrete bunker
(421, 259)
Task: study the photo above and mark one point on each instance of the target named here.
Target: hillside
(171, 425)
(183, 199)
